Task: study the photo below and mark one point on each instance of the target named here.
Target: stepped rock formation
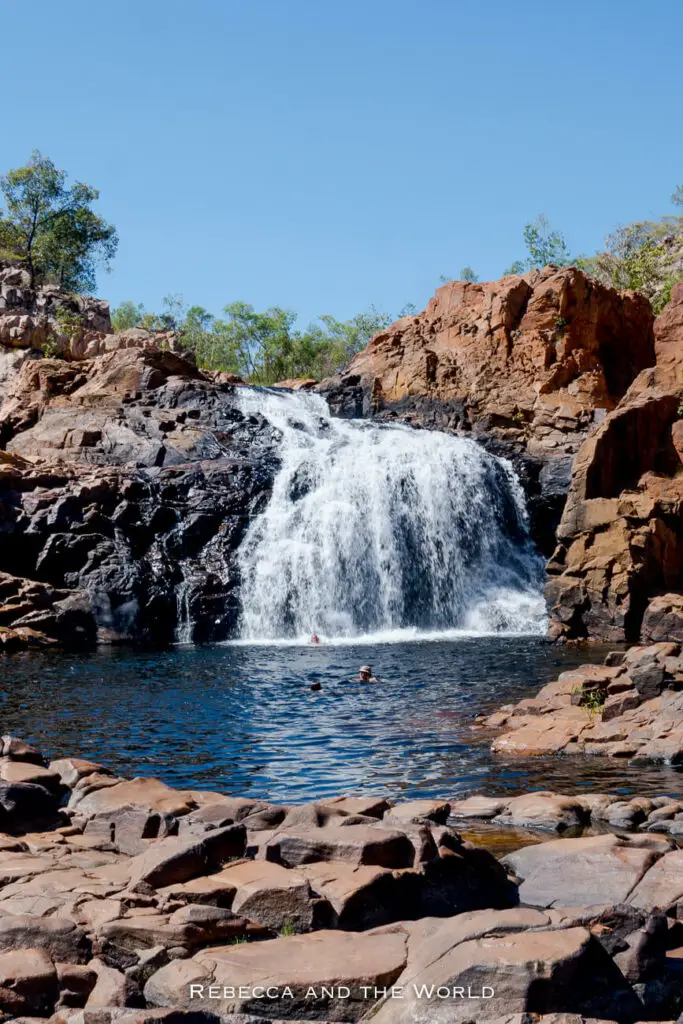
(116, 472)
(631, 707)
(620, 548)
(529, 364)
(117, 461)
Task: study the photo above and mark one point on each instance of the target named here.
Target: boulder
(488, 965)
(369, 806)
(361, 896)
(112, 987)
(583, 872)
(176, 859)
(663, 618)
(76, 982)
(130, 829)
(356, 844)
(418, 811)
(26, 805)
(28, 982)
(72, 769)
(544, 810)
(270, 894)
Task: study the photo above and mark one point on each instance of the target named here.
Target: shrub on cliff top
(52, 230)
(646, 256)
(544, 246)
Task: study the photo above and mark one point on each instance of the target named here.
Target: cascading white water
(372, 529)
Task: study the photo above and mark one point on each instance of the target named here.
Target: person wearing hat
(365, 675)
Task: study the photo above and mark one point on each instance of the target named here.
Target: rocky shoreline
(127, 900)
(630, 707)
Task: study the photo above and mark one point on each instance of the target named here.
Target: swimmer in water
(315, 639)
(365, 675)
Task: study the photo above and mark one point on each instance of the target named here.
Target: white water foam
(383, 533)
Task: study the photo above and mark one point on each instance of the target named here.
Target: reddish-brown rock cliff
(529, 364)
(621, 535)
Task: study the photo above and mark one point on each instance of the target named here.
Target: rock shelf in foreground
(124, 900)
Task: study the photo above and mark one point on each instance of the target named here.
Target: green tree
(677, 197)
(127, 315)
(467, 274)
(51, 229)
(262, 347)
(410, 309)
(544, 246)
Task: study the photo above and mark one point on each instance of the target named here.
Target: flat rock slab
(25, 772)
(357, 844)
(662, 886)
(300, 964)
(583, 872)
(417, 811)
(479, 807)
(147, 793)
(543, 734)
(60, 937)
(213, 890)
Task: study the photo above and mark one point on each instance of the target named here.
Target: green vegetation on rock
(544, 246)
(263, 347)
(51, 230)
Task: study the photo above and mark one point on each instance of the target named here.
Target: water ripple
(243, 719)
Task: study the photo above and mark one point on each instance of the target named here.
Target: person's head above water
(315, 639)
(365, 671)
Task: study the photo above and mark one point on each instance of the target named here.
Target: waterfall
(378, 529)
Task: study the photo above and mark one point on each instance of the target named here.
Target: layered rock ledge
(126, 485)
(630, 707)
(126, 900)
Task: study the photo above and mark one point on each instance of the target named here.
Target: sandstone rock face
(29, 318)
(621, 534)
(123, 474)
(632, 710)
(529, 363)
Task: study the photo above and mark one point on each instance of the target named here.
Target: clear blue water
(243, 719)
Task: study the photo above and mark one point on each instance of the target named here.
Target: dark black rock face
(132, 518)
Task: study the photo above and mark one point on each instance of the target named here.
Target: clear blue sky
(329, 155)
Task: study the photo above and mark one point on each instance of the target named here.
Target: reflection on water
(244, 720)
